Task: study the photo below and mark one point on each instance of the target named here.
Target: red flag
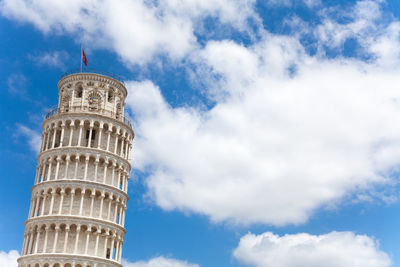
(84, 59)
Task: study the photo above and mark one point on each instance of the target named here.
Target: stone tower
(78, 204)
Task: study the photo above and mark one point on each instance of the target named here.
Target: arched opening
(94, 100)
(78, 90)
(110, 95)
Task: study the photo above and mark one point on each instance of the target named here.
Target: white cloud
(136, 30)
(335, 249)
(289, 133)
(159, 262)
(9, 259)
(55, 59)
(33, 137)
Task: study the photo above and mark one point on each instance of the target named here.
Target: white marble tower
(78, 204)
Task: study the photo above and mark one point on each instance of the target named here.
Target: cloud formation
(141, 30)
(159, 262)
(335, 249)
(289, 132)
(9, 259)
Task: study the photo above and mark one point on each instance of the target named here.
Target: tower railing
(97, 71)
(54, 110)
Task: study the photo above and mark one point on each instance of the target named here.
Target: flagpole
(81, 55)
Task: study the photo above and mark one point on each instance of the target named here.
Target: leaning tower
(78, 204)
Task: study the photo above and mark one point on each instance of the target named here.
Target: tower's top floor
(92, 93)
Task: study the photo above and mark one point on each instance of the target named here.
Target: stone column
(109, 208)
(62, 134)
(96, 165)
(113, 171)
(37, 206)
(116, 249)
(98, 232)
(42, 174)
(72, 201)
(52, 202)
(80, 133)
(37, 174)
(71, 133)
(115, 211)
(105, 243)
(101, 205)
(105, 170)
(100, 134)
(108, 138)
(54, 137)
(86, 167)
(120, 250)
(66, 239)
(43, 204)
(43, 141)
(58, 159)
(76, 166)
(116, 142)
(48, 138)
(46, 232)
(92, 196)
(88, 230)
(61, 202)
(48, 178)
(112, 245)
(122, 146)
(78, 229)
(37, 241)
(123, 216)
(67, 160)
(81, 204)
(90, 134)
(57, 229)
(29, 242)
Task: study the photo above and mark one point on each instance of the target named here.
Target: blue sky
(267, 132)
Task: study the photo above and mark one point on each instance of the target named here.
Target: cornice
(65, 258)
(74, 219)
(83, 150)
(64, 183)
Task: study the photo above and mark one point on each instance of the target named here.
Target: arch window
(110, 95)
(94, 101)
(79, 90)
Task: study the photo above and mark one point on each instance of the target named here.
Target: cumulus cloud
(139, 31)
(335, 249)
(289, 133)
(34, 139)
(9, 259)
(159, 262)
